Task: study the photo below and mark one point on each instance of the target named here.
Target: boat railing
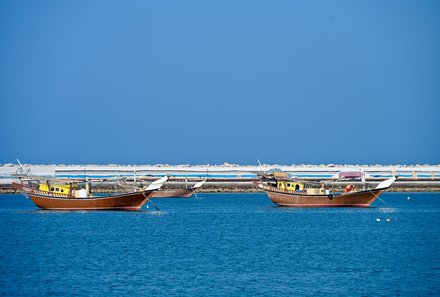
(39, 192)
(283, 190)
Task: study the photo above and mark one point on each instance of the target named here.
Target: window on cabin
(62, 190)
(57, 189)
(51, 189)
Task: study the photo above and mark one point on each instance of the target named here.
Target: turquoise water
(223, 245)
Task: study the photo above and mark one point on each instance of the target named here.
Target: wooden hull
(292, 199)
(179, 193)
(130, 201)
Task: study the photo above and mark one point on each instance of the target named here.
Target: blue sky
(197, 82)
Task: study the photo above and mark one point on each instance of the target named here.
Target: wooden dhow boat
(65, 197)
(177, 193)
(296, 194)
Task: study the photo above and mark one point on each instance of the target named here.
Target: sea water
(223, 245)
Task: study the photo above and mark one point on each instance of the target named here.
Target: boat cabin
(290, 185)
(55, 188)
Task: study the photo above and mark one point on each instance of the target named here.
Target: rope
(151, 202)
(377, 197)
(157, 208)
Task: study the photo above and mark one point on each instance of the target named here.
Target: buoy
(408, 198)
(378, 220)
(148, 206)
(388, 220)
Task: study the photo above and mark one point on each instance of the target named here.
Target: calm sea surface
(223, 245)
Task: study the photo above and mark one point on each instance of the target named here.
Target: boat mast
(87, 182)
(134, 180)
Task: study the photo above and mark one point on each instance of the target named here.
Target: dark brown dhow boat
(64, 197)
(295, 194)
(178, 193)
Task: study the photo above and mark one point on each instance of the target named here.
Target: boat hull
(179, 193)
(129, 201)
(355, 199)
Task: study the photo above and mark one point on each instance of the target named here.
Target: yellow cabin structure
(59, 189)
(290, 185)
